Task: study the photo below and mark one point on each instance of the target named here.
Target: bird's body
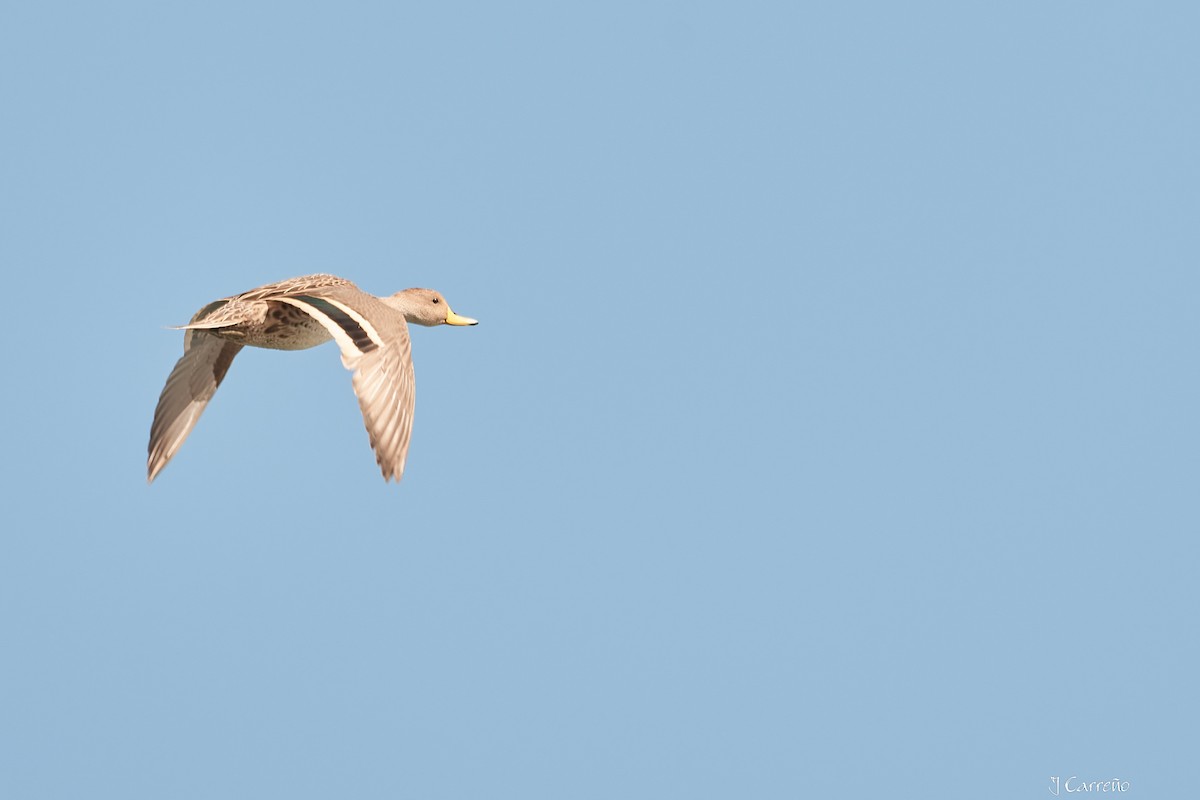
(295, 314)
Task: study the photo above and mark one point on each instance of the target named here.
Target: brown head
(426, 307)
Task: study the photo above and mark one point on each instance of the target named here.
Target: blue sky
(829, 430)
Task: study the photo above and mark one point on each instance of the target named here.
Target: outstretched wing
(373, 338)
(190, 386)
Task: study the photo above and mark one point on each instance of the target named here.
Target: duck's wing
(205, 361)
(291, 286)
(373, 338)
(189, 387)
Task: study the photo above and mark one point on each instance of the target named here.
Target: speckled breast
(279, 327)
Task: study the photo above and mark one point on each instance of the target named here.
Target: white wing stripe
(349, 349)
(359, 318)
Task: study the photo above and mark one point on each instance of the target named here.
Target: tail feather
(204, 326)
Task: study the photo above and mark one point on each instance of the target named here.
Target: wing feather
(189, 387)
(380, 355)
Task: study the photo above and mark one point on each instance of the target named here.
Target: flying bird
(295, 314)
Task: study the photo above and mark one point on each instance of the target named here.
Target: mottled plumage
(298, 313)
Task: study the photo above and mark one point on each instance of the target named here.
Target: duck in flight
(295, 314)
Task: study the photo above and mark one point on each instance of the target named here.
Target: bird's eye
(437, 300)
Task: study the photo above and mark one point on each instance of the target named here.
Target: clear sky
(829, 429)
